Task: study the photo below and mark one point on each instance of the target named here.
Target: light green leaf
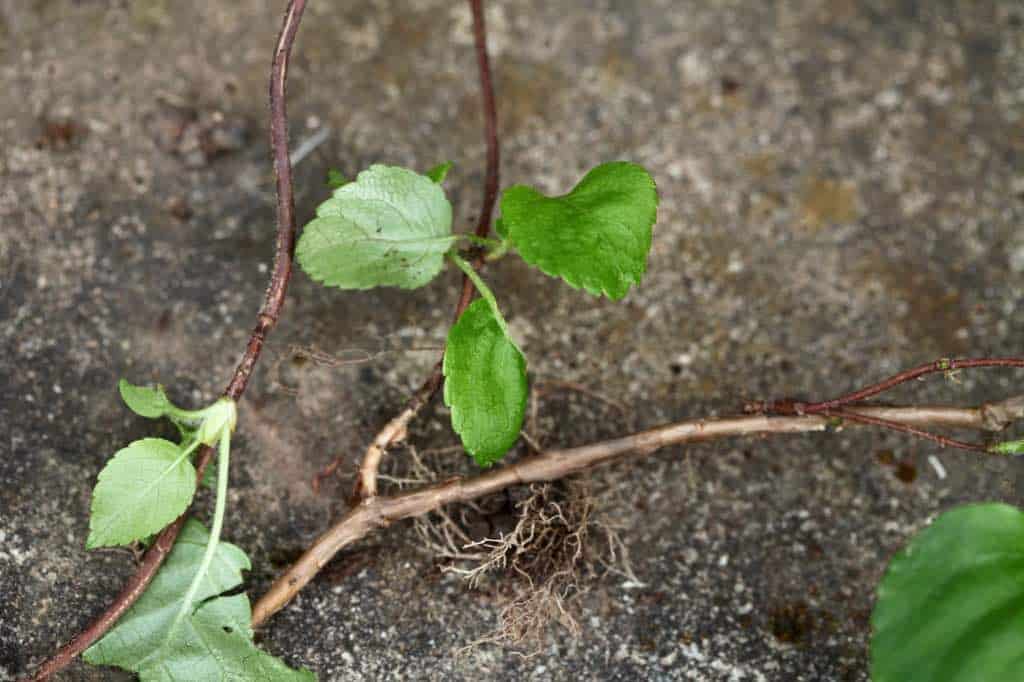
(596, 237)
(391, 227)
(439, 172)
(142, 488)
(485, 384)
(144, 401)
(1008, 447)
(214, 643)
(951, 605)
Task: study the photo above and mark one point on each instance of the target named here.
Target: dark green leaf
(439, 172)
(485, 384)
(596, 237)
(391, 227)
(951, 605)
(335, 179)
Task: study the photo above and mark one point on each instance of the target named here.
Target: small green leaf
(439, 172)
(213, 643)
(1008, 447)
(596, 237)
(144, 401)
(144, 487)
(391, 227)
(336, 179)
(950, 605)
(485, 384)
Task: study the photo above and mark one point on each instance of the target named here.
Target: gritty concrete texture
(842, 195)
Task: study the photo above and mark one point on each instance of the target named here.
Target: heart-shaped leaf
(391, 227)
(951, 605)
(596, 237)
(485, 383)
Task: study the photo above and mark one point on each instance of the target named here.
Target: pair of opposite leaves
(393, 227)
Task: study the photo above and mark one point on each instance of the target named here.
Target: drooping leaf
(596, 237)
(951, 605)
(439, 172)
(142, 488)
(144, 401)
(336, 179)
(391, 227)
(213, 643)
(485, 383)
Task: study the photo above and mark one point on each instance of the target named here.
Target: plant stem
(366, 483)
(871, 420)
(481, 287)
(944, 365)
(483, 223)
(223, 458)
(379, 511)
(266, 319)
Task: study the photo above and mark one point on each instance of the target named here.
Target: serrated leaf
(142, 488)
(391, 227)
(439, 172)
(213, 643)
(951, 605)
(596, 237)
(485, 383)
(144, 401)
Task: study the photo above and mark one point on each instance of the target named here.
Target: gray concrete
(842, 195)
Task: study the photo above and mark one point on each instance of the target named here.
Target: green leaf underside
(142, 488)
(485, 384)
(391, 227)
(439, 172)
(951, 605)
(144, 401)
(596, 237)
(214, 643)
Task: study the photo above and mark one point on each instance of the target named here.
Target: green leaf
(1008, 447)
(142, 488)
(391, 227)
(145, 401)
(336, 179)
(213, 643)
(596, 237)
(951, 605)
(439, 172)
(485, 384)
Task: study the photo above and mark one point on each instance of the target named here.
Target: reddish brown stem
(483, 223)
(944, 441)
(266, 319)
(903, 377)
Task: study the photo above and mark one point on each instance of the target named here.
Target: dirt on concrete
(842, 194)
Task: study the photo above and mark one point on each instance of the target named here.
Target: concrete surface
(842, 196)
